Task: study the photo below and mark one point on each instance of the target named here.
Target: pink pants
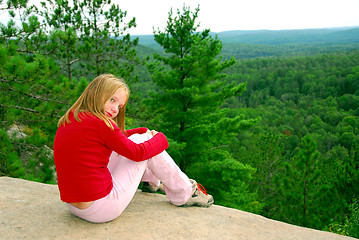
(127, 175)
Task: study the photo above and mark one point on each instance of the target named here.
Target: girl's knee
(140, 138)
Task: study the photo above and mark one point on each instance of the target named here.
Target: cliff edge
(30, 210)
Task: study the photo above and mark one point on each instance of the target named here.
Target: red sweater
(82, 150)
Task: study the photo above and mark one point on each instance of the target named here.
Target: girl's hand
(152, 132)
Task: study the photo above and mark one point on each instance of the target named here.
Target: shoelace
(201, 188)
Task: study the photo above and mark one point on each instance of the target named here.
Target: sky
(225, 15)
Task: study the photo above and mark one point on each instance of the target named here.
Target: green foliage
(34, 94)
(244, 44)
(308, 157)
(13, 4)
(287, 43)
(353, 220)
(25, 155)
(295, 97)
(266, 155)
(23, 86)
(228, 181)
(350, 227)
(192, 81)
(34, 100)
(188, 107)
(103, 46)
(88, 38)
(10, 163)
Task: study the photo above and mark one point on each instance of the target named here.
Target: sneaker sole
(196, 204)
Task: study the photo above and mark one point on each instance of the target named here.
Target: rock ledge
(30, 210)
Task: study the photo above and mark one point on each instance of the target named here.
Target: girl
(100, 165)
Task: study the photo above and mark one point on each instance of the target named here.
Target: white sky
(224, 15)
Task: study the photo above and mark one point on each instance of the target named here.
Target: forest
(267, 121)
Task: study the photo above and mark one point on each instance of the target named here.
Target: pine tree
(267, 156)
(303, 203)
(188, 108)
(105, 46)
(32, 97)
(91, 38)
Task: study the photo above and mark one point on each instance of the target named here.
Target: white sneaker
(199, 197)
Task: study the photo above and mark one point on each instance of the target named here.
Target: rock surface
(30, 210)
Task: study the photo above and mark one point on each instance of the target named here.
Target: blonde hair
(94, 98)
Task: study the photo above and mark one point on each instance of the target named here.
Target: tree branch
(220, 146)
(21, 108)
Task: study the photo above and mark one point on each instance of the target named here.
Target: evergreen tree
(308, 157)
(91, 37)
(267, 156)
(32, 97)
(27, 36)
(303, 204)
(105, 47)
(188, 108)
(64, 23)
(28, 100)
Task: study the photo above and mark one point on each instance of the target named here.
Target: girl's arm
(135, 130)
(118, 142)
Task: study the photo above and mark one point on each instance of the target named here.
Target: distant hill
(243, 44)
(274, 37)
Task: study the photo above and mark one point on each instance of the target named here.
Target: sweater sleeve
(118, 142)
(135, 130)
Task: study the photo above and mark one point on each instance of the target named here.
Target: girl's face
(115, 103)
